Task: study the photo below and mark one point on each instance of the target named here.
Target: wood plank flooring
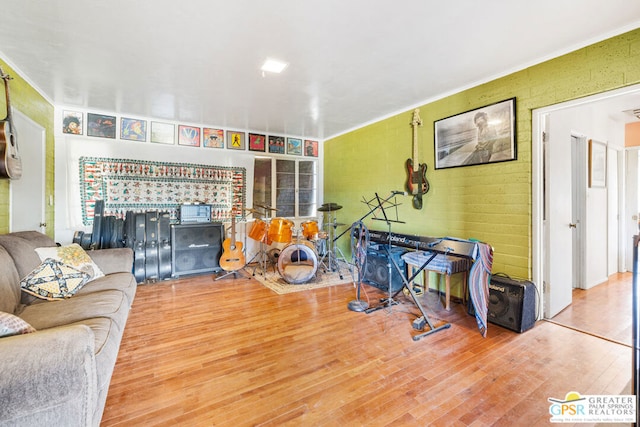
(200, 352)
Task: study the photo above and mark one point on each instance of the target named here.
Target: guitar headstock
(416, 121)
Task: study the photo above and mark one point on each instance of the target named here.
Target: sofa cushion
(49, 314)
(23, 254)
(74, 256)
(9, 283)
(13, 325)
(124, 282)
(54, 280)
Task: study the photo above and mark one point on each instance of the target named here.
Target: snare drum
(310, 229)
(280, 230)
(259, 230)
(298, 262)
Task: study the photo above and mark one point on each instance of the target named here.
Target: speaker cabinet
(377, 268)
(196, 248)
(512, 303)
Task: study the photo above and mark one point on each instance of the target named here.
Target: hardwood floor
(199, 352)
(603, 310)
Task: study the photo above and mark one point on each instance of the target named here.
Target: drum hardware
(265, 207)
(330, 223)
(359, 245)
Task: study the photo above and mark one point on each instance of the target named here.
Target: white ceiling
(351, 62)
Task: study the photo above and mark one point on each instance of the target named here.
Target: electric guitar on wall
(417, 183)
(10, 162)
(232, 258)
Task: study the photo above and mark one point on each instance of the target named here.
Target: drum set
(298, 253)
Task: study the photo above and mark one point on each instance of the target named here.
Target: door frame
(537, 181)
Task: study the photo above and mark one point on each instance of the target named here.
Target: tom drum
(259, 230)
(310, 230)
(280, 230)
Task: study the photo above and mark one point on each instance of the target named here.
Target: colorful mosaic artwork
(138, 185)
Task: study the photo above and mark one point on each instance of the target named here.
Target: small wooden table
(443, 265)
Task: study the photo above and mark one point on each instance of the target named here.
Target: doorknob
(43, 224)
(572, 225)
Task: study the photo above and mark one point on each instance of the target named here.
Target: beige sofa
(59, 375)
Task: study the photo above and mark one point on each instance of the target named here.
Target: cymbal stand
(332, 259)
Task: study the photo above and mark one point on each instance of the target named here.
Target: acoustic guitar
(232, 258)
(417, 183)
(10, 162)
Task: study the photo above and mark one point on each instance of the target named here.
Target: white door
(559, 227)
(28, 192)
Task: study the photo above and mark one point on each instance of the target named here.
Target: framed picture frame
(597, 164)
(310, 148)
(276, 144)
(133, 129)
(257, 142)
(101, 125)
(212, 138)
(72, 122)
(188, 135)
(162, 133)
(294, 146)
(235, 140)
(476, 137)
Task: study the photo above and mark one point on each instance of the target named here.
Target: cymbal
(265, 207)
(329, 207)
(334, 224)
(253, 211)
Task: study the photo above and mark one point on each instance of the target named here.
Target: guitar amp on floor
(196, 248)
(512, 303)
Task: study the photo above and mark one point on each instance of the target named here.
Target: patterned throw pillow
(74, 256)
(13, 325)
(54, 280)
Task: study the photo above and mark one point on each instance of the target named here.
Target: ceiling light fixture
(273, 66)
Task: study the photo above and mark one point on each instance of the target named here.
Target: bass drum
(298, 262)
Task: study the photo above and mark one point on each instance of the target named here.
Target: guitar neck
(415, 123)
(6, 79)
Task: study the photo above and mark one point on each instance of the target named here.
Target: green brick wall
(491, 202)
(29, 102)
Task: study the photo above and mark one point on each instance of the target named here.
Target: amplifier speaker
(196, 248)
(377, 269)
(512, 303)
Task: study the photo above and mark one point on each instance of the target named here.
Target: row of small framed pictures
(104, 126)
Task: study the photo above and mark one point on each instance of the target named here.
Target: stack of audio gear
(196, 249)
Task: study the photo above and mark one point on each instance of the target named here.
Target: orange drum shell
(310, 229)
(280, 230)
(258, 230)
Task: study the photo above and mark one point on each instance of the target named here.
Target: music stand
(406, 283)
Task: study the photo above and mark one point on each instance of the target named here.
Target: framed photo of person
(235, 140)
(212, 138)
(310, 148)
(476, 137)
(276, 144)
(72, 122)
(101, 125)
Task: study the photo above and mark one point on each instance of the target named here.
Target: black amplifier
(512, 303)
